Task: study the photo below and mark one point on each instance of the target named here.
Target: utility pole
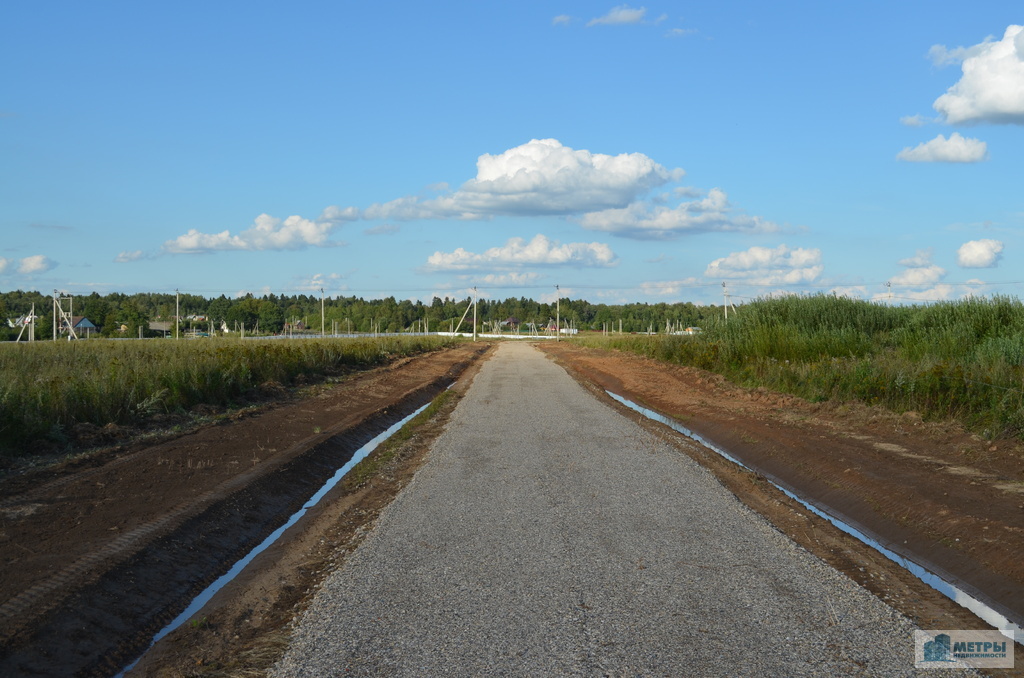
(725, 305)
(889, 285)
(474, 313)
(62, 317)
(177, 311)
(558, 314)
(323, 328)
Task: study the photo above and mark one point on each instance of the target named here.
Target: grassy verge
(47, 388)
(384, 454)
(962, 360)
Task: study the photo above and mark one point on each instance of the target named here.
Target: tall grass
(961, 360)
(46, 388)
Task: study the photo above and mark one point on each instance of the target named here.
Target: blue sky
(640, 152)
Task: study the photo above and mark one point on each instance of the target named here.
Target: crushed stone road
(549, 535)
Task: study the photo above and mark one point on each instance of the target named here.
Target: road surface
(549, 535)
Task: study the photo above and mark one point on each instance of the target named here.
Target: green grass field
(46, 388)
(962, 360)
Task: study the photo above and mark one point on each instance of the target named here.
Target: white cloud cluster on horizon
(712, 213)
(37, 263)
(983, 253)
(768, 266)
(540, 177)
(940, 149)
(920, 280)
(266, 233)
(540, 251)
(991, 88)
(620, 15)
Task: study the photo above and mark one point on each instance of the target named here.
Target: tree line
(118, 314)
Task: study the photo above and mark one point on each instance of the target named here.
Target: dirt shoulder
(933, 492)
(97, 557)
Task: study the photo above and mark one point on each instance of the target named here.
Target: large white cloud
(983, 253)
(991, 88)
(540, 177)
(518, 252)
(266, 233)
(768, 266)
(623, 14)
(710, 213)
(941, 149)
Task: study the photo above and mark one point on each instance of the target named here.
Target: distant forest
(117, 315)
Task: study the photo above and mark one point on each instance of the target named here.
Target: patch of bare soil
(928, 491)
(98, 556)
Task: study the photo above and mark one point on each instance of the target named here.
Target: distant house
(82, 326)
(165, 326)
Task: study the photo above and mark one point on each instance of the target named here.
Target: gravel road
(547, 535)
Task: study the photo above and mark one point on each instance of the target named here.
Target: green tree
(271, 317)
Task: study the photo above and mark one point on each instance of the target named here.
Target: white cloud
(850, 291)
(266, 233)
(939, 292)
(667, 288)
(561, 19)
(335, 214)
(680, 32)
(262, 292)
(979, 253)
(711, 213)
(36, 263)
(623, 14)
(920, 258)
(914, 120)
(921, 280)
(324, 281)
(768, 266)
(940, 149)
(991, 88)
(554, 295)
(919, 276)
(507, 279)
(919, 272)
(518, 252)
(125, 257)
(541, 177)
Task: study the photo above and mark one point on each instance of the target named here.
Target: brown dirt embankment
(100, 554)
